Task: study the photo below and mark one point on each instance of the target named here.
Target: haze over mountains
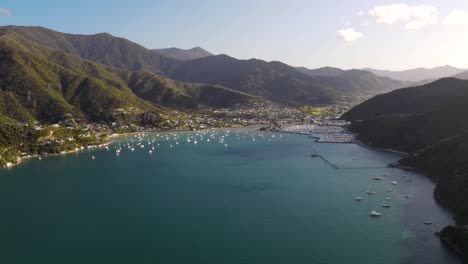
(181, 54)
(463, 75)
(419, 74)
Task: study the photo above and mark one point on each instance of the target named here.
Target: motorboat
(375, 214)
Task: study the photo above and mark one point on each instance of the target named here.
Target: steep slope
(49, 84)
(279, 81)
(412, 118)
(44, 84)
(181, 54)
(101, 48)
(160, 90)
(430, 123)
(419, 74)
(272, 80)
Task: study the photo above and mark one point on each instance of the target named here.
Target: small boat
(406, 196)
(314, 155)
(394, 183)
(370, 192)
(377, 178)
(92, 157)
(358, 198)
(374, 213)
(384, 205)
(389, 190)
(387, 199)
(427, 223)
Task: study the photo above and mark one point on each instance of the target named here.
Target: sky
(381, 34)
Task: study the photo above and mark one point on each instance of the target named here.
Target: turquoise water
(263, 201)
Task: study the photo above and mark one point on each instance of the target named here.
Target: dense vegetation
(16, 141)
(272, 80)
(278, 81)
(101, 48)
(38, 83)
(430, 123)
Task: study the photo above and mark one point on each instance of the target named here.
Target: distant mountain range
(355, 80)
(181, 54)
(278, 81)
(430, 123)
(420, 74)
(41, 83)
(101, 48)
(48, 74)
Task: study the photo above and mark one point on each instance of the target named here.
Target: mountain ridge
(419, 74)
(46, 84)
(275, 80)
(184, 54)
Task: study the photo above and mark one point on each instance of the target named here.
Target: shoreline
(76, 150)
(357, 142)
(110, 140)
(445, 239)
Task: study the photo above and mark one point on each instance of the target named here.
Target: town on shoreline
(20, 141)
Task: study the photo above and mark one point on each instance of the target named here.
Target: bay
(242, 197)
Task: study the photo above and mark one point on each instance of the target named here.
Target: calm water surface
(264, 201)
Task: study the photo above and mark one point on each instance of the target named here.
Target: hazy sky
(341, 33)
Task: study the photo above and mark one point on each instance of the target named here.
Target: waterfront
(241, 197)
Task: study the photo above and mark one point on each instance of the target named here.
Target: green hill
(272, 80)
(44, 84)
(278, 81)
(431, 124)
(50, 84)
(101, 48)
(275, 80)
